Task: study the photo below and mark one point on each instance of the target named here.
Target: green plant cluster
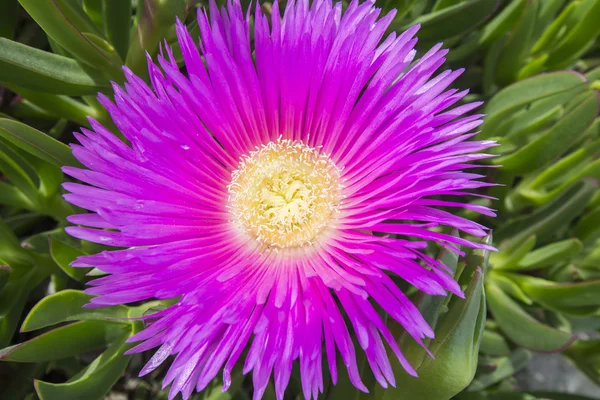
(535, 64)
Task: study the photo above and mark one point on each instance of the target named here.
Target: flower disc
(285, 194)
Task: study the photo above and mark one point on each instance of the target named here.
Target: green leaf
(8, 18)
(66, 341)
(57, 130)
(93, 9)
(50, 176)
(117, 24)
(100, 43)
(549, 36)
(520, 327)
(502, 22)
(555, 141)
(488, 79)
(73, 11)
(586, 356)
(67, 24)
(9, 318)
(578, 38)
(11, 196)
(517, 47)
(441, 4)
(10, 243)
(505, 367)
(403, 7)
(13, 297)
(42, 71)
(5, 271)
(24, 109)
(10, 247)
(539, 114)
(493, 344)
(532, 67)
(475, 258)
(526, 91)
(455, 348)
(67, 305)
(466, 48)
(551, 254)
(509, 287)
(489, 395)
(561, 296)
(63, 255)
(544, 222)
(465, 317)
(430, 306)
(510, 258)
(589, 224)
(559, 396)
(484, 395)
(59, 105)
(561, 172)
(548, 12)
(37, 143)
(95, 272)
(454, 20)
(40, 243)
(153, 21)
(22, 222)
(554, 180)
(590, 264)
(18, 171)
(593, 75)
(95, 381)
(558, 320)
(16, 378)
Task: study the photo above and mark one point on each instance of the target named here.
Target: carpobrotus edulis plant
(275, 189)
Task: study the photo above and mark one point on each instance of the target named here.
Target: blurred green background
(535, 63)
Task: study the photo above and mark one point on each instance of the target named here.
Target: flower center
(285, 194)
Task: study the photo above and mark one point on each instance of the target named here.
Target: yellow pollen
(285, 194)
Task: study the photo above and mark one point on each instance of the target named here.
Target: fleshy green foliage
(458, 325)
(536, 64)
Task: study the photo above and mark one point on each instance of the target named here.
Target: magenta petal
(331, 81)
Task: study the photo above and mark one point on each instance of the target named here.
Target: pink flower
(252, 186)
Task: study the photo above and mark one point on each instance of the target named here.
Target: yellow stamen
(285, 194)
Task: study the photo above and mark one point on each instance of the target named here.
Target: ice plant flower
(277, 188)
